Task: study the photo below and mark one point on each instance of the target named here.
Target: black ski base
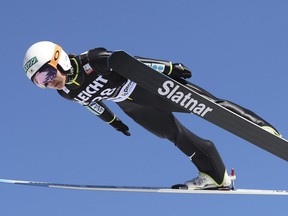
(177, 93)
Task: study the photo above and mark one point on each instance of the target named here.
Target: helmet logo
(56, 56)
(30, 63)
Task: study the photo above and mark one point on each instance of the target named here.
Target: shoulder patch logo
(87, 68)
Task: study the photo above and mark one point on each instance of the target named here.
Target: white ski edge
(146, 189)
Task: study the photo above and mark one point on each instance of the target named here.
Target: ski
(145, 189)
(190, 101)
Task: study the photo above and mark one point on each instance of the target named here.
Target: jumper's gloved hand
(120, 126)
(180, 71)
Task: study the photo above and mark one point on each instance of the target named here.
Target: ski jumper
(91, 81)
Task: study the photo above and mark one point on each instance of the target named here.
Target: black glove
(120, 126)
(180, 71)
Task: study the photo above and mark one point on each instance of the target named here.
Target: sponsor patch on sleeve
(96, 108)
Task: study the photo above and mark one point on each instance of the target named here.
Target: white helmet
(44, 52)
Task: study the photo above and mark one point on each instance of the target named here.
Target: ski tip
(115, 57)
(6, 181)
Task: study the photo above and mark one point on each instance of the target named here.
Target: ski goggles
(46, 75)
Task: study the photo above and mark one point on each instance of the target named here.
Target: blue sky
(236, 50)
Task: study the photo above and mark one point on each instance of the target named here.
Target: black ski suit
(91, 81)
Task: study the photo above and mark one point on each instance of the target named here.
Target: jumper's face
(58, 82)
